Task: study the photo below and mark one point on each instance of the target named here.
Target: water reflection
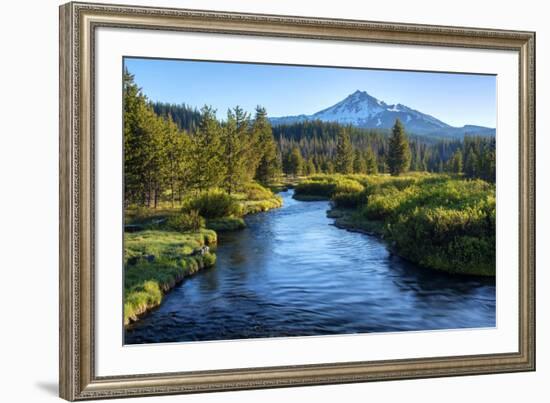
(291, 273)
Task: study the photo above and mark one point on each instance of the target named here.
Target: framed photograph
(256, 201)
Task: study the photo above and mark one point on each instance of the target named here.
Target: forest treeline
(171, 149)
(184, 116)
(164, 160)
(317, 143)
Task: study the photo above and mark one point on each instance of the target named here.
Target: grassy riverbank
(220, 211)
(438, 221)
(162, 246)
(156, 261)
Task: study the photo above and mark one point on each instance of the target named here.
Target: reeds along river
(292, 273)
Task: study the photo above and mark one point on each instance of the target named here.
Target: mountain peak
(363, 110)
(360, 94)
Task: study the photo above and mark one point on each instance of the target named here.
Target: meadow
(438, 221)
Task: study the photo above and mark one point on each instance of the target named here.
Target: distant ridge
(363, 110)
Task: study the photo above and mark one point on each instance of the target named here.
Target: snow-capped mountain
(363, 110)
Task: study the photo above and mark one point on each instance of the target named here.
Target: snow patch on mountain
(393, 108)
(363, 110)
(358, 106)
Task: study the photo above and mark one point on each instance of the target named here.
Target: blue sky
(456, 99)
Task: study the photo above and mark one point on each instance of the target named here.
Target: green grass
(185, 221)
(351, 219)
(155, 261)
(255, 191)
(344, 190)
(225, 224)
(446, 224)
(166, 244)
(145, 216)
(220, 210)
(254, 198)
(259, 206)
(438, 221)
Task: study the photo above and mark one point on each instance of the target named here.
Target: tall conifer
(267, 165)
(344, 153)
(207, 167)
(399, 154)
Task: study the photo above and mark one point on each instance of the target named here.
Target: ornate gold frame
(78, 22)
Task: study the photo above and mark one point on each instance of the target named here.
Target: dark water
(292, 273)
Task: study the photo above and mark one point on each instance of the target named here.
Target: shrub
(257, 206)
(444, 224)
(189, 221)
(349, 200)
(383, 203)
(348, 193)
(348, 186)
(326, 186)
(436, 220)
(449, 240)
(255, 191)
(209, 259)
(322, 188)
(138, 212)
(213, 204)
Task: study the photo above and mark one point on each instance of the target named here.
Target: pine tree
(207, 167)
(399, 155)
(479, 158)
(359, 163)
(153, 144)
(144, 150)
(134, 104)
(236, 149)
(184, 116)
(456, 162)
(344, 153)
(490, 161)
(370, 162)
(329, 167)
(309, 167)
(267, 167)
(470, 165)
(176, 163)
(295, 162)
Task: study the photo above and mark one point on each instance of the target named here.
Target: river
(292, 273)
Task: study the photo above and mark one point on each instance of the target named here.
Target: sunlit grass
(439, 221)
(155, 261)
(220, 209)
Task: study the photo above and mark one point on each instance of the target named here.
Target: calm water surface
(292, 273)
